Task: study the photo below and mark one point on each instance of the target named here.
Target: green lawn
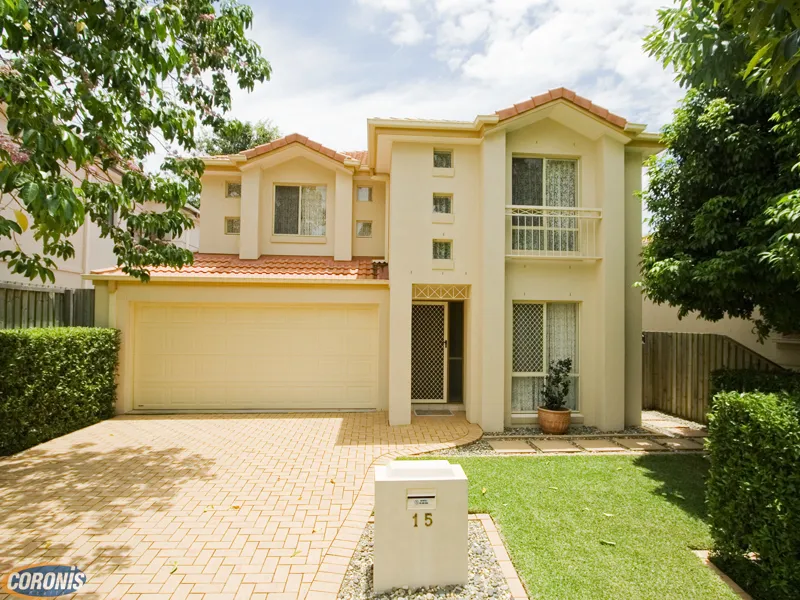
(560, 516)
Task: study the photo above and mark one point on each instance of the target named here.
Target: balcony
(540, 232)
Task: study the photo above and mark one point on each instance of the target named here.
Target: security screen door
(429, 352)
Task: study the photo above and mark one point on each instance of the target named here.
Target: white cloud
(407, 30)
(455, 59)
(397, 6)
(465, 30)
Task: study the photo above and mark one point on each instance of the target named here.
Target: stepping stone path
(511, 447)
(658, 433)
(687, 432)
(639, 444)
(555, 446)
(598, 445)
(681, 444)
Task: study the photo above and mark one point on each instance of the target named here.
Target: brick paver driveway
(202, 506)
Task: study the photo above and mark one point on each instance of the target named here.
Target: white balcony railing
(549, 232)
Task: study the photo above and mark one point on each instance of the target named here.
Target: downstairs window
(542, 332)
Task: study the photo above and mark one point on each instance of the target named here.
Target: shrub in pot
(554, 416)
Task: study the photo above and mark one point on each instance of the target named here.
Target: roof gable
(561, 94)
(295, 138)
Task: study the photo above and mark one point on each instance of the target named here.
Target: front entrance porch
(437, 352)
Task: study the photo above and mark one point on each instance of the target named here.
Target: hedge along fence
(54, 381)
(748, 380)
(753, 489)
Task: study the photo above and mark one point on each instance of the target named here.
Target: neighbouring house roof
(561, 93)
(282, 267)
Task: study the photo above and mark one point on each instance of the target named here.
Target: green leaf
(29, 192)
(141, 70)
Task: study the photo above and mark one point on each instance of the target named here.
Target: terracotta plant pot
(554, 422)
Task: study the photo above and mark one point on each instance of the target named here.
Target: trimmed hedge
(753, 489)
(745, 380)
(54, 381)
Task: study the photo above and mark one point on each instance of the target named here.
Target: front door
(429, 352)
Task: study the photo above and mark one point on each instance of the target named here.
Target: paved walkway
(206, 506)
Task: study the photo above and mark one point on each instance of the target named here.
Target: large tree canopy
(235, 136)
(724, 42)
(726, 217)
(89, 89)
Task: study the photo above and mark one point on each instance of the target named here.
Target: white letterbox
(420, 525)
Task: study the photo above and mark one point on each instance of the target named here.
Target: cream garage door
(220, 356)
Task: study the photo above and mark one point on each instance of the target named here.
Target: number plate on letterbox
(421, 499)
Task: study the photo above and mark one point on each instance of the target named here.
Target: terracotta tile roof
(294, 138)
(271, 267)
(362, 155)
(564, 94)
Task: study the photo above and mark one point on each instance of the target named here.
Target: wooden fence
(676, 369)
(23, 305)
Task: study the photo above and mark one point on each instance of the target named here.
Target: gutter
(240, 280)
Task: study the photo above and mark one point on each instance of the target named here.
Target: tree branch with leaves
(725, 237)
(88, 88)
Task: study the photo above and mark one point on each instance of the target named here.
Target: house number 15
(428, 519)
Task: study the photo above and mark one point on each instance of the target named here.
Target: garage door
(194, 356)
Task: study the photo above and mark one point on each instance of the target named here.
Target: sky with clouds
(338, 62)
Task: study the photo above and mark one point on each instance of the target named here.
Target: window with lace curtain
(299, 210)
(548, 183)
(541, 333)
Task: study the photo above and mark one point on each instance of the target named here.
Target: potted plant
(554, 416)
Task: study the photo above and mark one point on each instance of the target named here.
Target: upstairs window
(544, 182)
(442, 204)
(552, 186)
(364, 229)
(442, 159)
(233, 225)
(442, 250)
(233, 189)
(299, 210)
(364, 193)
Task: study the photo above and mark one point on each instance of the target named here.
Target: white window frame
(227, 183)
(230, 219)
(358, 235)
(299, 187)
(546, 359)
(367, 187)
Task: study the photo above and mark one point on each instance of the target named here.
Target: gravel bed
(533, 430)
(654, 415)
(486, 579)
(479, 448)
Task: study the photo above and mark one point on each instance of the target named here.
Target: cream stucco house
(445, 265)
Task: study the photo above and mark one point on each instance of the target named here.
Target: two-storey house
(446, 265)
